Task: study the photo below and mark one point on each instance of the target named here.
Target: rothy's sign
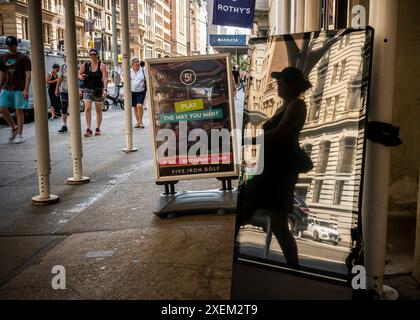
(235, 13)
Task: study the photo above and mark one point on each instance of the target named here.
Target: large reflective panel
(304, 223)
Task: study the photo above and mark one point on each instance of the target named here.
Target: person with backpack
(95, 82)
(62, 91)
(15, 79)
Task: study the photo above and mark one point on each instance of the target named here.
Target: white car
(322, 230)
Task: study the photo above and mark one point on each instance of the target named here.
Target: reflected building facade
(334, 130)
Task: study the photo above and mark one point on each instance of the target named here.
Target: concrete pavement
(146, 257)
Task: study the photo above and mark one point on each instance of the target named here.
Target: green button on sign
(189, 105)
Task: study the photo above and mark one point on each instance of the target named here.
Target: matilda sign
(235, 13)
(193, 119)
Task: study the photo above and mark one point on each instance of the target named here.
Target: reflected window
(353, 99)
(324, 153)
(346, 155)
(315, 110)
(317, 191)
(335, 72)
(338, 192)
(343, 69)
(308, 149)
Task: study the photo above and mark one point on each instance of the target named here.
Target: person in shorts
(52, 79)
(15, 79)
(95, 81)
(138, 90)
(62, 91)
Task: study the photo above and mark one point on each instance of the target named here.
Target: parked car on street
(297, 220)
(322, 230)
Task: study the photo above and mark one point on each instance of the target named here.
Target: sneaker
(88, 133)
(97, 132)
(13, 133)
(19, 139)
(63, 129)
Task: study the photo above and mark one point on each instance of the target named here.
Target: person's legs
(140, 112)
(7, 117)
(285, 238)
(88, 114)
(20, 115)
(98, 107)
(52, 109)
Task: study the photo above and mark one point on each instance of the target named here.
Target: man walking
(15, 78)
(95, 79)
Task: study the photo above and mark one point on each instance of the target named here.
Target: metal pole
(127, 76)
(300, 16)
(40, 105)
(115, 43)
(341, 13)
(383, 18)
(73, 91)
(188, 12)
(312, 15)
(416, 269)
(287, 11)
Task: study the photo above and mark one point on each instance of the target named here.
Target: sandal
(141, 125)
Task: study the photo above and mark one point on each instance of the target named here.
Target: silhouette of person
(273, 190)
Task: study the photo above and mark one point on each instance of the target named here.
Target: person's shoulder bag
(145, 82)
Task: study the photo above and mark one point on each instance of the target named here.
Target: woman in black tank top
(95, 78)
(52, 79)
(273, 190)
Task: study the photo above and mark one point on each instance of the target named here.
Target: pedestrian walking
(95, 83)
(138, 89)
(15, 79)
(52, 79)
(62, 91)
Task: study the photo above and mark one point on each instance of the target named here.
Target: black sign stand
(220, 201)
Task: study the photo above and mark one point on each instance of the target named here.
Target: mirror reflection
(308, 92)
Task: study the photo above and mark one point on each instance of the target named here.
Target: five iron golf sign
(192, 117)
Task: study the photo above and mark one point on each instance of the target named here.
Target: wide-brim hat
(292, 75)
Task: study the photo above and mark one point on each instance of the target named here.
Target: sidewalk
(104, 233)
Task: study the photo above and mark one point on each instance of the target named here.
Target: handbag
(145, 83)
(303, 162)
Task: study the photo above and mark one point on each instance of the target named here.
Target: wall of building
(405, 160)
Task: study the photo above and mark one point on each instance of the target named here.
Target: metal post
(300, 16)
(115, 43)
(102, 45)
(127, 76)
(40, 105)
(416, 268)
(73, 91)
(287, 11)
(312, 15)
(383, 18)
(188, 13)
(341, 15)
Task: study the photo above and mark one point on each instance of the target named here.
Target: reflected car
(322, 230)
(297, 220)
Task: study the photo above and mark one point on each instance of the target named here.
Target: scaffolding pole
(40, 105)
